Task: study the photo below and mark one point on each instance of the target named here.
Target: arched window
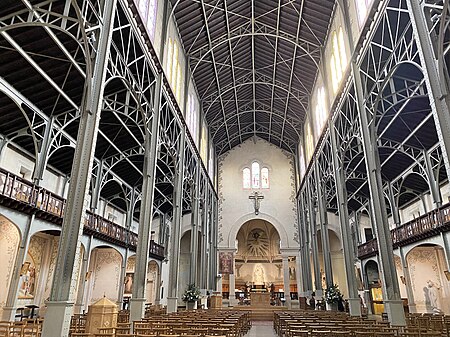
(246, 178)
(173, 68)
(211, 163)
(338, 61)
(301, 159)
(255, 175)
(309, 141)
(362, 7)
(264, 177)
(147, 11)
(321, 112)
(191, 118)
(143, 9)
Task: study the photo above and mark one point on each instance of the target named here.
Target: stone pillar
(174, 252)
(349, 256)
(299, 276)
(314, 250)
(137, 302)
(60, 305)
(232, 287)
(286, 281)
(195, 195)
(211, 254)
(9, 310)
(204, 272)
(306, 257)
(215, 221)
(219, 285)
(323, 218)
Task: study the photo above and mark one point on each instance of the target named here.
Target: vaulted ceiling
(254, 63)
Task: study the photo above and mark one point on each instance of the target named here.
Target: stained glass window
(173, 68)
(362, 7)
(246, 178)
(211, 163)
(320, 111)
(301, 158)
(151, 20)
(192, 117)
(264, 177)
(255, 175)
(309, 142)
(143, 9)
(204, 143)
(338, 60)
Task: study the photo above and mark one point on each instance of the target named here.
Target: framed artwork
(25, 267)
(27, 282)
(128, 288)
(225, 263)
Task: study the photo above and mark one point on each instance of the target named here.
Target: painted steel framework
(389, 120)
(57, 85)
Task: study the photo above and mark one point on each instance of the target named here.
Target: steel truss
(401, 121)
(127, 103)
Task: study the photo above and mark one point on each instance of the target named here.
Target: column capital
(227, 250)
(286, 252)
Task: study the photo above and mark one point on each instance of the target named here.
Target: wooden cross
(256, 198)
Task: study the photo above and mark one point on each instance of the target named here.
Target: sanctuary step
(261, 313)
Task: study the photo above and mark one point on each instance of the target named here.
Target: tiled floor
(261, 329)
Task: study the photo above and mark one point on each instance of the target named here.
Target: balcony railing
(423, 227)
(19, 189)
(108, 230)
(21, 194)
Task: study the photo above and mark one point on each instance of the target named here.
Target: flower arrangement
(333, 294)
(191, 294)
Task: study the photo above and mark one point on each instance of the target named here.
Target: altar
(260, 299)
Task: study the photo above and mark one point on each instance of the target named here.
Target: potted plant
(333, 296)
(191, 295)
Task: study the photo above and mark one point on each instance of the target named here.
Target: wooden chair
(364, 334)
(432, 334)
(320, 333)
(337, 333)
(299, 333)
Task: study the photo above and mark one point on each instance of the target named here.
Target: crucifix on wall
(256, 199)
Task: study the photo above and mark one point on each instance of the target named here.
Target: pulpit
(101, 314)
(260, 299)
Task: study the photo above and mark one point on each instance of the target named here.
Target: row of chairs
(24, 328)
(199, 323)
(332, 324)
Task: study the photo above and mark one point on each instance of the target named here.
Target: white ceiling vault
(254, 63)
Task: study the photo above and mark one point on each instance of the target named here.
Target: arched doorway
(258, 263)
(152, 282)
(37, 270)
(372, 275)
(427, 268)
(104, 274)
(9, 243)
